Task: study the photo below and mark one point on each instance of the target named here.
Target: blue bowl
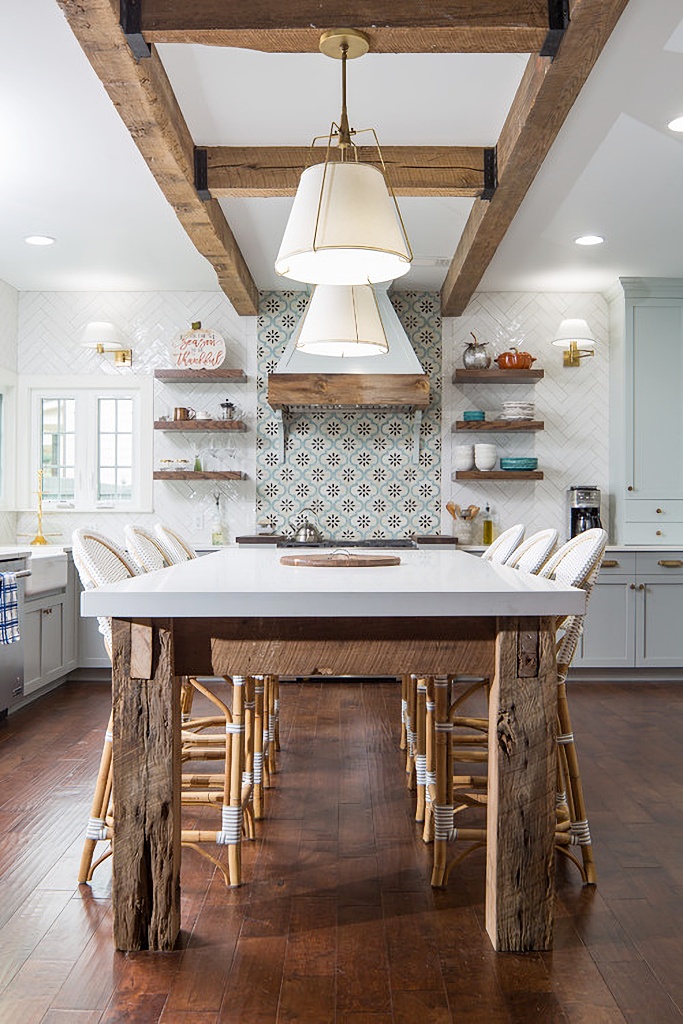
(473, 415)
(518, 463)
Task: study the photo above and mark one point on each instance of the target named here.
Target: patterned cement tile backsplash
(352, 468)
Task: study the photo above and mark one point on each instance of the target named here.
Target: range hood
(394, 379)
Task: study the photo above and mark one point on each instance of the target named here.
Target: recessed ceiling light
(39, 240)
(676, 125)
(589, 240)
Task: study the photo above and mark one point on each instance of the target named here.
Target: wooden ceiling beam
(413, 170)
(144, 99)
(544, 98)
(393, 26)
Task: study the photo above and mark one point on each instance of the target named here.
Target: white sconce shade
(106, 337)
(342, 321)
(343, 228)
(577, 340)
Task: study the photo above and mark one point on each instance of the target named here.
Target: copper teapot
(514, 360)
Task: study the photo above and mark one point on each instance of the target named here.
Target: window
(115, 455)
(91, 441)
(58, 433)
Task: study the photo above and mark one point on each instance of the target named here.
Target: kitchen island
(241, 612)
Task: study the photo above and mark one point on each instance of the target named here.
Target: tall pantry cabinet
(646, 403)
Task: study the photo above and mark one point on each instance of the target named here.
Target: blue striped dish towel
(9, 608)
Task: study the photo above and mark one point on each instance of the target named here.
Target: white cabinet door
(32, 656)
(654, 382)
(43, 642)
(659, 615)
(609, 630)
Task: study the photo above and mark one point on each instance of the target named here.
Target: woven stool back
(576, 564)
(503, 546)
(534, 552)
(175, 548)
(99, 561)
(145, 549)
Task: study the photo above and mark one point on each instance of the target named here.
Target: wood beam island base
(240, 612)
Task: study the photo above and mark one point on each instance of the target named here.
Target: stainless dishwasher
(12, 655)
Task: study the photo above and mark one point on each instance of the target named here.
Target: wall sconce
(345, 226)
(577, 340)
(105, 337)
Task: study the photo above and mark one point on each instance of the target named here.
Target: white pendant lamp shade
(343, 228)
(344, 321)
(576, 331)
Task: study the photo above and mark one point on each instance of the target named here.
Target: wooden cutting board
(340, 559)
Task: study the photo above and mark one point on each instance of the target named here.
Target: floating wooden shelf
(218, 376)
(495, 376)
(498, 425)
(498, 474)
(187, 474)
(234, 425)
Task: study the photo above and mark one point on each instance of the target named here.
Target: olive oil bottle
(488, 525)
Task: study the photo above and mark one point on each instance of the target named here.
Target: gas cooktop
(373, 542)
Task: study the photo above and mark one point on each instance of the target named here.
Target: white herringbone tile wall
(50, 326)
(573, 403)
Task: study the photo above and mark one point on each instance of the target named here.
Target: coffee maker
(584, 509)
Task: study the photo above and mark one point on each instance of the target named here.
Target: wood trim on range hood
(348, 389)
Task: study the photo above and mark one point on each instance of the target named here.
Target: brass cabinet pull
(641, 586)
(631, 586)
(671, 563)
(629, 488)
(658, 511)
(658, 533)
(610, 563)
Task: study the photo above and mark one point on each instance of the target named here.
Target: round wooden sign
(198, 349)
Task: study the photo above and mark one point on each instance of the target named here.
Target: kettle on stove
(306, 532)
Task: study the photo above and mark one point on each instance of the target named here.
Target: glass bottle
(488, 526)
(216, 525)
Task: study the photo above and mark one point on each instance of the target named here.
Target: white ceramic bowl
(485, 463)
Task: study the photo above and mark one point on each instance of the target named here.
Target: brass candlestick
(39, 537)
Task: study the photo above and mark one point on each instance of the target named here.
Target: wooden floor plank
(336, 920)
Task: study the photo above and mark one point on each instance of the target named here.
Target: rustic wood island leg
(521, 783)
(146, 770)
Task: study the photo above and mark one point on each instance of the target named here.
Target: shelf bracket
(281, 434)
(417, 425)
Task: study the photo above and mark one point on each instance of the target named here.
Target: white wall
(50, 327)
(573, 403)
(9, 307)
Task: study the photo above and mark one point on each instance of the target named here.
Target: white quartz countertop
(252, 582)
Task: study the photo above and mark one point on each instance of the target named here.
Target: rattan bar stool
(576, 563)
(178, 549)
(100, 561)
(502, 547)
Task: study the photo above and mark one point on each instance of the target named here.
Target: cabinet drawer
(618, 563)
(666, 533)
(660, 563)
(645, 510)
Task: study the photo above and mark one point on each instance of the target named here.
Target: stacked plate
(518, 411)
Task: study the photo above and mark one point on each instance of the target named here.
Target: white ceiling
(69, 169)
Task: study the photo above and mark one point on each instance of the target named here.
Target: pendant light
(345, 226)
(342, 320)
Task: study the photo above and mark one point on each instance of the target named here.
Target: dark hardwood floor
(336, 921)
